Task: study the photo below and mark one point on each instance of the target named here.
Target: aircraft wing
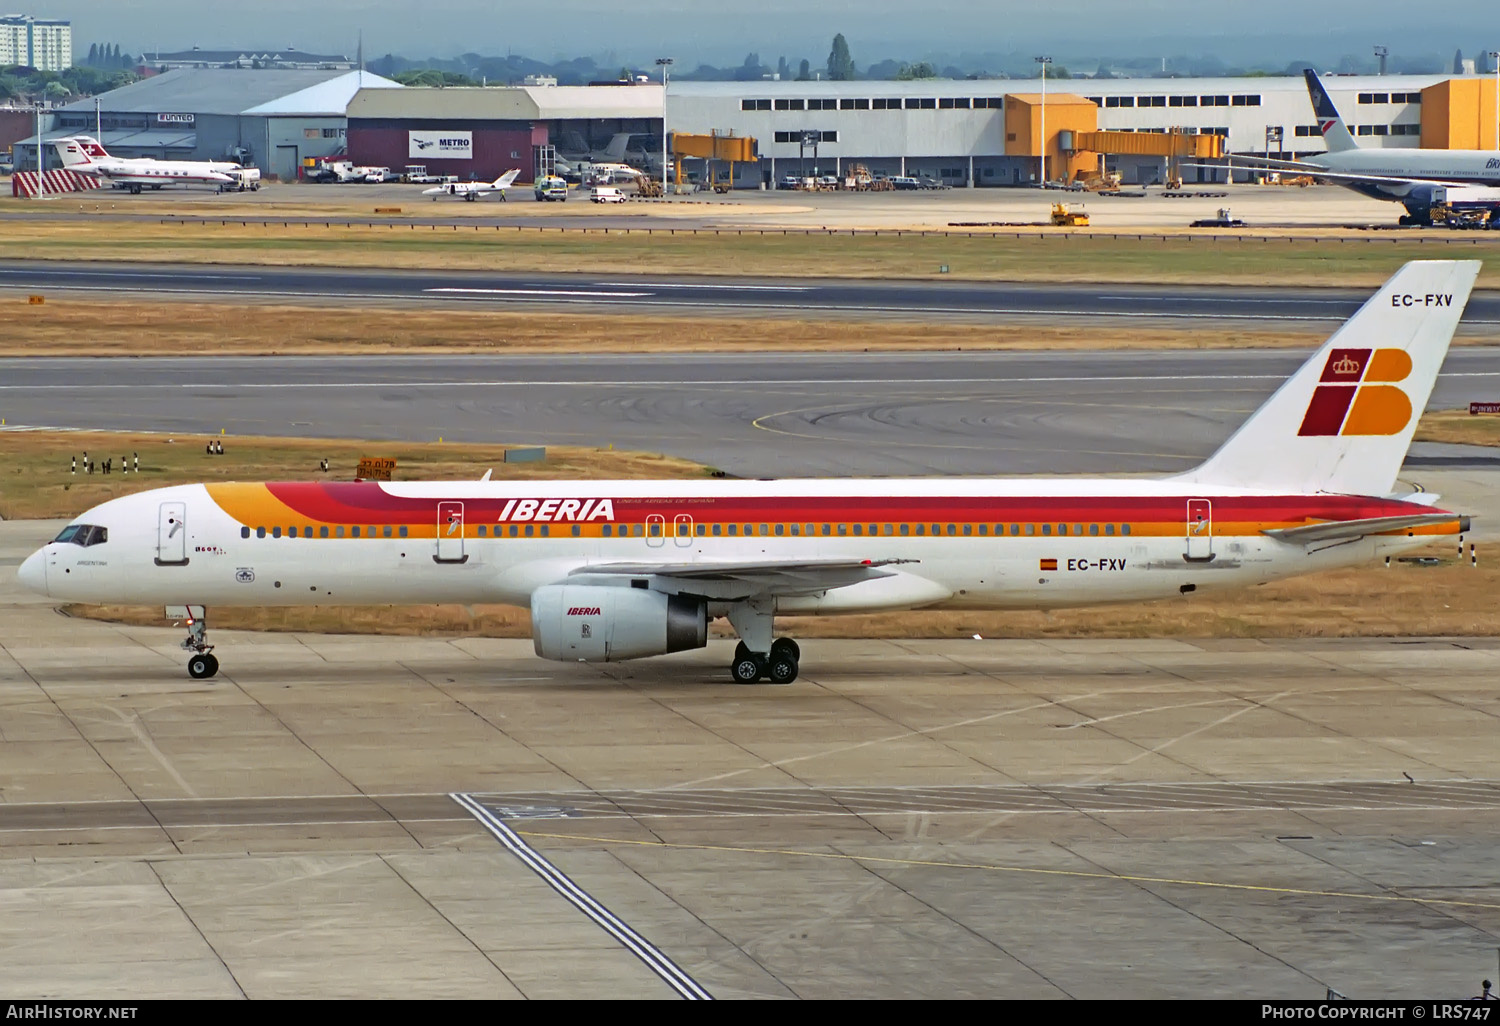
(729, 580)
(1320, 172)
(1348, 530)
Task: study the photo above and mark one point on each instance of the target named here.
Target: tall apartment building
(42, 43)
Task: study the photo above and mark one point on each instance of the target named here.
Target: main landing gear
(779, 666)
(201, 664)
(757, 657)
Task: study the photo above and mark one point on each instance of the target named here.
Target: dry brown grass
(1405, 601)
(1460, 427)
(1153, 257)
(65, 326)
(36, 480)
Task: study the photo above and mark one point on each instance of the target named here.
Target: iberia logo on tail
(1357, 394)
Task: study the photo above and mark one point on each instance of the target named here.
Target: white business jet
(472, 191)
(85, 155)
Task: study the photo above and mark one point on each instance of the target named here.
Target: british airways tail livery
(617, 570)
(1335, 133)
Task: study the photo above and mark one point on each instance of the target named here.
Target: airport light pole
(1044, 61)
(1495, 60)
(41, 181)
(664, 63)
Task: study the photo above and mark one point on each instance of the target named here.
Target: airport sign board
(440, 145)
(174, 119)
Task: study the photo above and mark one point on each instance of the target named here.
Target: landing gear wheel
(741, 652)
(747, 670)
(782, 668)
(202, 666)
(788, 647)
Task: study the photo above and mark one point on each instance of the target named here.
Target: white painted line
(660, 964)
(1232, 299)
(540, 292)
(684, 285)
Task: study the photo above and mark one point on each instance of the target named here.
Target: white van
(607, 194)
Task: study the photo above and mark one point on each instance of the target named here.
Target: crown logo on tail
(1347, 365)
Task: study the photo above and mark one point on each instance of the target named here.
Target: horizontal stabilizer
(1348, 530)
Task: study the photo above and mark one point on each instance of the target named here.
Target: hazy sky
(718, 33)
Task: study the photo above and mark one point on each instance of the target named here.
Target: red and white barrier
(23, 183)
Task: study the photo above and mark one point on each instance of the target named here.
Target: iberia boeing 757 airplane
(623, 569)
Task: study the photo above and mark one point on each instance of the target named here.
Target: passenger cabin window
(244, 532)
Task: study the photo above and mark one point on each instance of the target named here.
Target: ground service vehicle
(241, 180)
(549, 188)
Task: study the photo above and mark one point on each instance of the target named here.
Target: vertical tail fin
(1335, 132)
(71, 152)
(1344, 421)
(506, 179)
(615, 151)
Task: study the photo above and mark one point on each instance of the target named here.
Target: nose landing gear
(202, 664)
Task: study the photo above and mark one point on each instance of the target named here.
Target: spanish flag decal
(1049, 564)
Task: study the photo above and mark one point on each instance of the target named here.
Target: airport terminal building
(955, 130)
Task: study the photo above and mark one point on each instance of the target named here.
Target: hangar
(266, 118)
(482, 132)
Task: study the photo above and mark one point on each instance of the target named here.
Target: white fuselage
(157, 172)
(1473, 167)
(960, 544)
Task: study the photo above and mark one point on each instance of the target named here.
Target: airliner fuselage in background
(1417, 178)
(623, 569)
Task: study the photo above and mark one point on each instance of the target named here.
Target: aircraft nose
(33, 572)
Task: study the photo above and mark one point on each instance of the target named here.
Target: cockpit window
(83, 534)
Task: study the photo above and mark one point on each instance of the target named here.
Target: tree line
(29, 85)
(108, 56)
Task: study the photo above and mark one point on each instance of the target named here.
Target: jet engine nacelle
(594, 624)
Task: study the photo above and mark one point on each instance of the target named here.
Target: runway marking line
(539, 292)
(1026, 870)
(653, 957)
